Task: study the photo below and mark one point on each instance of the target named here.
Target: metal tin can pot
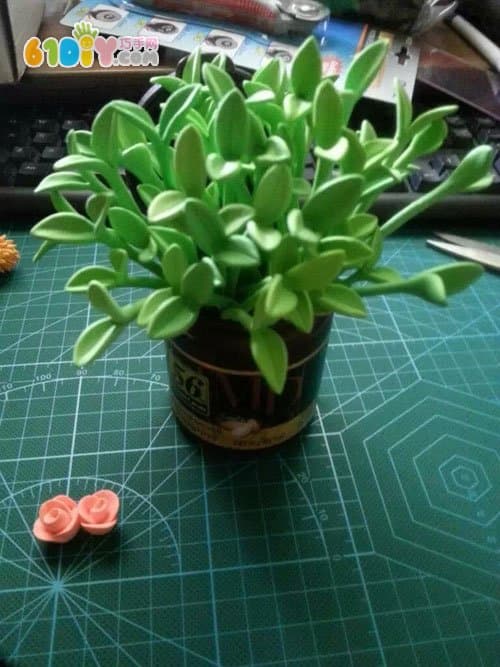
(219, 396)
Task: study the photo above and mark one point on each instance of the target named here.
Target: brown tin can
(219, 396)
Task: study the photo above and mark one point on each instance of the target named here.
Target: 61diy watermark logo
(85, 44)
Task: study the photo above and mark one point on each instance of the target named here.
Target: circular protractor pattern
(94, 593)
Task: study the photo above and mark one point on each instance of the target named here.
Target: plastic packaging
(402, 15)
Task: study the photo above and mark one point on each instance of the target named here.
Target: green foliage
(208, 207)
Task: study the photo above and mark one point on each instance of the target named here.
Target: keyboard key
(7, 175)
(456, 121)
(490, 136)
(446, 160)
(484, 122)
(22, 154)
(45, 125)
(53, 153)
(11, 138)
(46, 139)
(425, 180)
(74, 125)
(460, 137)
(31, 173)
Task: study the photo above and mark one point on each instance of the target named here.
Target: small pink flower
(57, 521)
(99, 512)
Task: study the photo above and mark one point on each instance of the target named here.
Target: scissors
(484, 253)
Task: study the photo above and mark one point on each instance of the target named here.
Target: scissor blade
(469, 243)
(488, 259)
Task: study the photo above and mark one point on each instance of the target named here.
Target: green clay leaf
(271, 356)
(301, 188)
(262, 96)
(341, 299)
(167, 207)
(115, 128)
(457, 276)
(332, 203)
(151, 305)
(362, 225)
(78, 142)
(166, 236)
(257, 138)
(174, 264)
(353, 161)
(315, 273)
(268, 112)
(119, 261)
(217, 277)
(195, 118)
(175, 107)
(129, 226)
(382, 274)
(349, 99)
(302, 316)
(295, 107)
(64, 228)
(404, 112)
(192, 69)
(367, 132)
(139, 160)
(221, 170)
(219, 82)
(426, 141)
(149, 252)
(364, 68)
(63, 180)
(97, 205)
(81, 163)
(238, 315)
(475, 166)
(238, 252)
(356, 252)
(285, 256)
(197, 284)
(80, 281)
(327, 115)
(428, 117)
(273, 194)
(296, 227)
(232, 126)
(189, 162)
(94, 340)
(306, 68)
(43, 249)
(170, 83)
(235, 217)
(220, 61)
(266, 238)
(270, 74)
(171, 319)
(101, 299)
(275, 151)
(205, 227)
(147, 192)
(279, 300)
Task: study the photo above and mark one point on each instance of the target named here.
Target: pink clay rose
(58, 520)
(99, 512)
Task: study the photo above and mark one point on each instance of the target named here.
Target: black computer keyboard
(31, 140)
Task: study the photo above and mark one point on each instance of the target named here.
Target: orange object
(99, 512)
(58, 520)
(9, 255)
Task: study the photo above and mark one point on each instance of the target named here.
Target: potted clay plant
(239, 261)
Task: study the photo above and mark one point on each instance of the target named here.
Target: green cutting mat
(371, 540)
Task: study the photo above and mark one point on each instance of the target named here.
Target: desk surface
(371, 540)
